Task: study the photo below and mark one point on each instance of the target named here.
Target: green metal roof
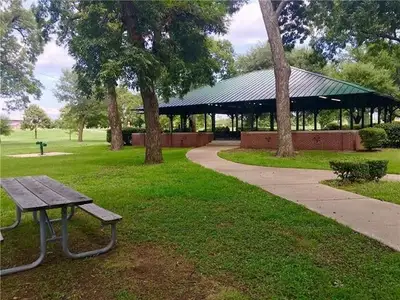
(260, 85)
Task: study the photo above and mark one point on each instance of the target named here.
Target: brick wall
(177, 139)
(340, 140)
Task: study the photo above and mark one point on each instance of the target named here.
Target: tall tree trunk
(81, 125)
(113, 119)
(153, 128)
(282, 75)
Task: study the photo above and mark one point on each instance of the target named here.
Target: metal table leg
(37, 262)
(64, 240)
(69, 217)
(17, 221)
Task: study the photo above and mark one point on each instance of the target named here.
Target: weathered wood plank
(72, 196)
(22, 197)
(98, 212)
(41, 191)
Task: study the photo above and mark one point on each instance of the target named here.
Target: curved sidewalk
(377, 219)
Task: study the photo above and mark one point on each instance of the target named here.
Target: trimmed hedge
(358, 171)
(393, 134)
(126, 134)
(372, 137)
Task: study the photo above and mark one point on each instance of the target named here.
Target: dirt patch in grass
(145, 271)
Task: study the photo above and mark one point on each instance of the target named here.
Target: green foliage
(332, 126)
(259, 57)
(372, 137)
(350, 171)
(35, 117)
(21, 44)
(5, 127)
(377, 169)
(126, 134)
(127, 103)
(222, 51)
(393, 134)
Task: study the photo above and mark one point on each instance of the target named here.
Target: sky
(246, 30)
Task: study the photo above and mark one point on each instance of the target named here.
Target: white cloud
(247, 27)
(54, 56)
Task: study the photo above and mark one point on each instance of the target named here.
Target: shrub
(377, 169)
(350, 171)
(393, 134)
(372, 137)
(332, 126)
(126, 134)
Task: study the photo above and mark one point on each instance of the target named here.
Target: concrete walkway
(377, 219)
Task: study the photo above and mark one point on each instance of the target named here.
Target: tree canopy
(5, 126)
(34, 118)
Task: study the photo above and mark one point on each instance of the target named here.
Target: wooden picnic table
(40, 193)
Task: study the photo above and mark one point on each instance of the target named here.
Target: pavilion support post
(371, 120)
(304, 120)
(185, 122)
(252, 122)
(205, 122)
(237, 122)
(385, 111)
(315, 119)
(171, 123)
(297, 120)
(271, 121)
(241, 122)
(257, 122)
(233, 121)
(340, 118)
(379, 115)
(213, 122)
(362, 117)
(351, 118)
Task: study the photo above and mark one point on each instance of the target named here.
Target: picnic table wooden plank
(41, 191)
(103, 214)
(22, 197)
(71, 195)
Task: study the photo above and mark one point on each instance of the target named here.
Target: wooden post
(297, 120)
(340, 118)
(371, 120)
(271, 121)
(233, 120)
(351, 118)
(304, 120)
(213, 122)
(256, 122)
(205, 122)
(241, 122)
(362, 117)
(237, 122)
(171, 123)
(315, 119)
(184, 122)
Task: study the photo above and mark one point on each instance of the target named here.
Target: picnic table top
(32, 193)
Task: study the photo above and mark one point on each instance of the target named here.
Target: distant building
(15, 124)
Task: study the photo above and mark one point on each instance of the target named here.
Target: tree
(222, 51)
(80, 107)
(354, 23)
(282, 74)
(34, 118)
(5, 127)
(67, 122)
(21, 44)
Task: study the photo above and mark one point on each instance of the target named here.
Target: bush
(350, 171)
(377, 169)
(332, 126)
(393, 134)
(126, 134)
(372, 137)
(362, 170)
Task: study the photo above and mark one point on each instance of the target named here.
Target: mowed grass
(383, 190)
(188, 232)
(309, 159)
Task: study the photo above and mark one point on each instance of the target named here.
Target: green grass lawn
(187, 233)
(383, 190)
(309, 159)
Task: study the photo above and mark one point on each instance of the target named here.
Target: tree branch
(281, 6)
(390, 37)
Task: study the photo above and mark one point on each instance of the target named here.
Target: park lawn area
(384, 190)
(313, 159)
(187, 233)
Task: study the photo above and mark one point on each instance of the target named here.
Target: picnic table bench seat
(104, 215)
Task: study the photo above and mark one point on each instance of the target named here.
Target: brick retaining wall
(340, 140)
(177, 139)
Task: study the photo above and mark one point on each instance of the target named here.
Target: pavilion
(254, 93)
